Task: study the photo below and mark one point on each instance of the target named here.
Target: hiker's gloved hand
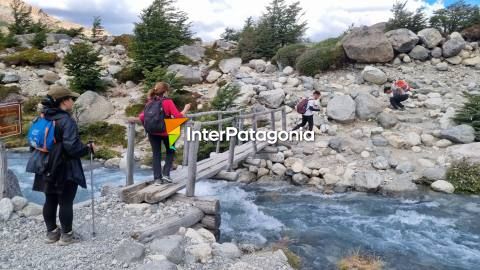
(93, 147)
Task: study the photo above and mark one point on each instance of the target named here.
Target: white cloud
(210, 17)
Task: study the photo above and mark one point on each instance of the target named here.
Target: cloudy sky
(210, 17)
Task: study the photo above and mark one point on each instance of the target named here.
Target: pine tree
(162, 29)
(81, 64)
(403, 18)
(247, 44)
(230, 34)
(22, 20)
(96, 25)
(455, 17)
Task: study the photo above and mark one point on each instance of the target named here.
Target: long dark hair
(51, 103)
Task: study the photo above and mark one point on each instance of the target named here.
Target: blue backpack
(41, 134)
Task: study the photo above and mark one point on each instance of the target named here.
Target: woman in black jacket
(60, 189)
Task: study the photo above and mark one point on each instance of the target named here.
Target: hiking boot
(167, 179)
(68, 238)
(53, 236)
(402, 109)
(158, 182)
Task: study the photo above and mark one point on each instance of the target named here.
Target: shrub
(106, 154)
(403, 18)
(5, 91)
(30, 106)
(130, 73)
(134, 110)
(470, 113)
(104, 134)
(39, 40)
(360, 262)
(225, 97)
(323, 56)
(32, 57)
(287, 56)
(465, 177)
(72, 32)
(81, 64)
(126, 40)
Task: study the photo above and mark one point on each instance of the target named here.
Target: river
(428, 231)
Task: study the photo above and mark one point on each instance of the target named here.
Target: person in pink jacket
(160, 90)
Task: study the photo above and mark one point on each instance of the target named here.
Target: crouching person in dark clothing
(399, 92)
(62, 175)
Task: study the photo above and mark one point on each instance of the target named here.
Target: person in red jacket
(160, 90)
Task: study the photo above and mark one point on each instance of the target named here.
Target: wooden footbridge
(193, 170)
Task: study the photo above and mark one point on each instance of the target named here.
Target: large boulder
(367, 181)
(188, 74)
(10, 77)
(419, 53)
(12, 187)
(368, 45)
(341, 109)
(459, 134)
(193, 52)
(6, 209)
(92, 108)
(367, 107)
(129, 251)
(468, 152)
(158, 265)
(431, 37)
(50, 77)
(170, 246)
(387, 120)
(19, 203)
(399, 185)
(52, 38)
(226, 251)
(229, 65)
(31, 210)
(453, 47)
(472, 33)
(443, 186)
(272, 98)
(245, 96)
(198, 253)
(402, 40)
(374, 75)
(474, 61)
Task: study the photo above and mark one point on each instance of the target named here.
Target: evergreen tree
(403, 18)
(247, 44)
(162, 29)
(230, 34)
(96, 25)
(40, 40)
(455, 17)
(81, 64)
(22, 20)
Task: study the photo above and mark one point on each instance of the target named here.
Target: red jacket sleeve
(141, 116)
(171, 110)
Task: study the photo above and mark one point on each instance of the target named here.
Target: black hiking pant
(156, 143)
(65, 201)
(395, 101)
(305, 119)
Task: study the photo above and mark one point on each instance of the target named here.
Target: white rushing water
(430, 231)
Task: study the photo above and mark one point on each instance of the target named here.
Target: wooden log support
(231, 149)
(186, 143)
(217, 150)
(284, 118)
(130, 152)
(169, 226)
(240, 125)
(211, 222)
(192, 164)
(272, 120)
(254, 127)
(3, 170)
(210, 206)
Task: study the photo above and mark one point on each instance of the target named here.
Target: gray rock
(341, 109)
(402, 40)
(419, 53)
(188, 74)
(193, 52)
(431, 37)
(120, 49)
(129, 251)
(170, 246)
(226, 251)
(338, 144)
(374, 75)
(6, 209)
(50, 77)
(399, 185)
(269, 68)
(380, 163)
(300, 179)
(19, 203)
(468, 152)
(213, 75)
(368, 45)
(453, 47)
(459, 134)
(387, 120)
(229, 65)
(367, 181)
(436, 52)
(10, 77)
(26, 39)
(443, 186)
(278, 169)
(31, 210)
(93, 108)
(114, 69)
(367, 107)
(431, 175)
(158, 265)
(272, 98)
(456, 60)
(405, 167)
(12, 186)
(379, 140)
(442, 66)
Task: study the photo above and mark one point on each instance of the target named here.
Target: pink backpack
(302, 106)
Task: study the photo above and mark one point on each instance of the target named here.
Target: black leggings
(395, 101)
(305, 119)
(156, 143)
(65, 201)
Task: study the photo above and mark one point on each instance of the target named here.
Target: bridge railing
(191, 147)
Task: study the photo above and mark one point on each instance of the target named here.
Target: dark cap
(58, 92)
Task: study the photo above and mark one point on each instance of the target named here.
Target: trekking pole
(91, 186)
